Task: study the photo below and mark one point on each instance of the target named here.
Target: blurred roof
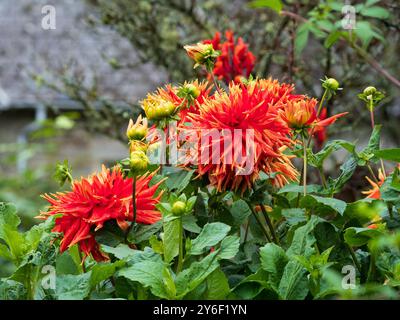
(26, 49)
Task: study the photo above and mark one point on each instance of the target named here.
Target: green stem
(371, 269)
(270, 225)
(180, 257)
(262, 225)
(210, 72)
(82, 262)
(353, 256)
(321, 102)
(304, 167)
(323, 179)
(372, 173)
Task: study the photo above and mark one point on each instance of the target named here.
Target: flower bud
(330, 84)
(202, 53)
(158, 109)
(165, 109)
(189, 92)
(178, 208)
(138, 161)
(369, 91)
(137, 130)
(136, 145)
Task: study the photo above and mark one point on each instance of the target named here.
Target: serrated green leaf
(171, 239)
(211, 234)
(388, 154)
(273, 260)
(217, 286)
(229, 247)
(73, 287)
(150, 274)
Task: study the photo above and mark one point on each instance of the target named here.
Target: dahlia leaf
(211, 234)
(73, 287)
(149, 274)
(315, 202)
(347, 170)
(189, 279)
(144, 232)
(388, 154)
(311, 188)
(294, 215)
(273, 260)
(178, 180)
(103, 271)
(253, 285)
(302, 35)
(217, 286)
(229, 247)
(360, 236)
(303, 239)
(9, 222)
(294, 282)
(275, 5)
(189, 224)
(318, 159)
(12, 290)
(122, 251)
(171, 239)
(240, 211)
(367, 154)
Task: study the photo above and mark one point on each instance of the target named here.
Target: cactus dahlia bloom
(301, 114)
(252, 107)
(235, 61)
(93, 201)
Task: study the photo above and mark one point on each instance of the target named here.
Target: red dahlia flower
(255, 107)
(235, 60)
(95, 200)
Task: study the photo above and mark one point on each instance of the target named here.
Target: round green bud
(192, 90)
(165, 109)
(331, 84)
(178, 208)
(138, 133)
(138, 161)
(369, 91)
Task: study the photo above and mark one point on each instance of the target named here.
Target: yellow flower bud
(178, 208)
(137, 130)
(138, 161)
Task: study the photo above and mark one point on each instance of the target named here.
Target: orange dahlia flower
(93, 201)
(235, 61)
(301, 114)
(252, 107)
(374, 192)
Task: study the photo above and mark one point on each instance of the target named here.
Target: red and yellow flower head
(301, 114)
(235, 61)
(253, 107)
(93, 201)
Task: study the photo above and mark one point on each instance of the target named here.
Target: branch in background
(361, 52)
